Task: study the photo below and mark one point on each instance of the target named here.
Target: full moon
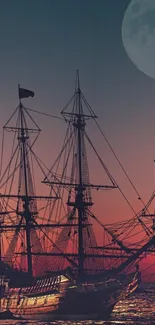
(138, 35)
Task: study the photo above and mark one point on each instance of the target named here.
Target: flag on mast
(24, 93)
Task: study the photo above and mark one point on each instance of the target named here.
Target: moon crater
(138, 34)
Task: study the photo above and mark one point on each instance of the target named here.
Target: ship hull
(51, 316)
(7, 315)
(73, 304)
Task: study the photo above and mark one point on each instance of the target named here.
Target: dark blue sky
(43, 42)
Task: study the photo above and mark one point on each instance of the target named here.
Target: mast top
(24, 93)
(79, 101)
(77, 82)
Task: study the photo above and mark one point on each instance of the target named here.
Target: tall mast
(27, 214)
(18, 195)
(75, 179)
(79, 196)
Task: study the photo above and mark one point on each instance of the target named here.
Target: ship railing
(47, 284)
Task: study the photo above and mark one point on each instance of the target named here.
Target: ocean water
(139, 309)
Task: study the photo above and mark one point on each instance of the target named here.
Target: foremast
(23, 137)
(25, 200)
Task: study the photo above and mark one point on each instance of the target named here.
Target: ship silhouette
(50, 263)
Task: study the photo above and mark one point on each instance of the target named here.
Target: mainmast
(75, 178)
(80, 125)
(80, 203)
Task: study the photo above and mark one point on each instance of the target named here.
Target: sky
(43, 43)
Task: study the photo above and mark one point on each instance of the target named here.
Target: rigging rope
(112, 150)
(53, 116)
(126, 174)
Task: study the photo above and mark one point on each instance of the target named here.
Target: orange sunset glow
(112, 207)
(77, 161)
(121, 96)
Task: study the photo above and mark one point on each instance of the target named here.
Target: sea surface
(139, 309)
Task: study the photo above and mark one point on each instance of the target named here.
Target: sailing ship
(50, 268)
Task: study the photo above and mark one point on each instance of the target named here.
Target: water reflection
(138, 310)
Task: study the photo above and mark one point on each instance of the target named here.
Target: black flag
(24, 93)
